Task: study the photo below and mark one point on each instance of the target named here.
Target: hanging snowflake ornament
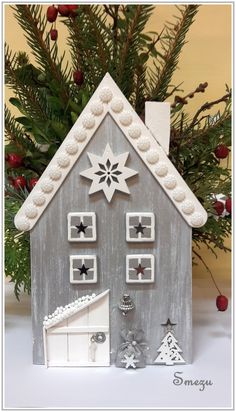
(108, 173)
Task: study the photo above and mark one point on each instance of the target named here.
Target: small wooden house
(110, 224)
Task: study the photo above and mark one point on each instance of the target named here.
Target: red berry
(19, 181)
(219, 207)
(221, 303)
(33, 181)
(14, 160)
(78, 77)
(228, 205)
(52, 14)
(221, 151)
(54, 34)
(64, 10)
(73, 9)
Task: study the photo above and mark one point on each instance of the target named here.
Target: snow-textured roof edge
(62, 313)
(109, 99)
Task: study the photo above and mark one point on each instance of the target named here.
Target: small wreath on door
(99, 337)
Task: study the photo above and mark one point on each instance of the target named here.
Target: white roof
(62, 313)
(109, 99)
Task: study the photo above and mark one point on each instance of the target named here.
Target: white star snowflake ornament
(129, 361)
(108, 173)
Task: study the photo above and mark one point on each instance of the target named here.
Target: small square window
(83, 269)
(140, 227)
(139, 268)
(82, 227)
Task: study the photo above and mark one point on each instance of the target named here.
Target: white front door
(83, 339)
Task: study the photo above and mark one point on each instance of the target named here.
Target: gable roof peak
(108, 98)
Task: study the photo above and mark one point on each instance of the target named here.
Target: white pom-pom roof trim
(64, 312)
(109, 96)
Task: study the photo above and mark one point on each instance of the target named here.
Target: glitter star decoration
(129, 361)
(140, 269)
(140, 228)
(108, 173)
(83, 270)
(81, 227)
(169, 325)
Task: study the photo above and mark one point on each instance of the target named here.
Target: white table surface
(32, 386)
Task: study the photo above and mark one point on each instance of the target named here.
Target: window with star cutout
(140, 227)
(83, 269)
(82, 227)
(140, 269)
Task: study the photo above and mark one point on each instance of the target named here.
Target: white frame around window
(140, 238)
(83, 259)
(139, 277)
(82, 237)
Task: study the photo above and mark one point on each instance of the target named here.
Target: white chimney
(157, 120)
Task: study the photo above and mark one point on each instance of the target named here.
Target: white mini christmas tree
(169, 351)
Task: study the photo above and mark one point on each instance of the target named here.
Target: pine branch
(210, 238)
(140, 87)
(207, 268)
(34, 24)
(75, 27)
(17, 250)
(223, 125)
(98, 27)
(113, 12)
(130, 45)
(13, 130)
(172, 45)
(97, 46)
(207, 106)
(14, 133)
(90, 45)
(29, 96)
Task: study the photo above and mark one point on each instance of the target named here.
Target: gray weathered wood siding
(171, 294)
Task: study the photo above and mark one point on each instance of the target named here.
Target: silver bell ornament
(126, 304)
